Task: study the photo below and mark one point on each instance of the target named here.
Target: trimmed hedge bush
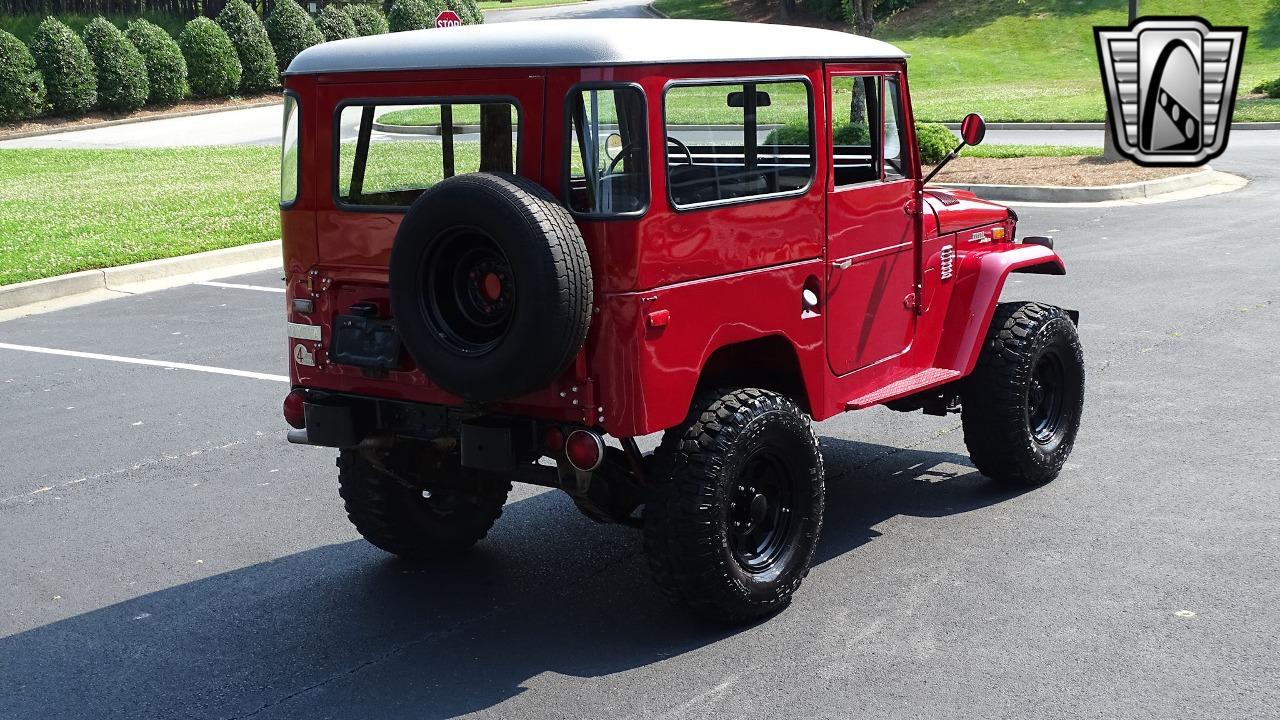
(70, 80)
(414, 14)
(935, 142)
(1271, 89)
(213, 68)
(368, 19)
(258, 71)
(21, 87)
(122, 73)
(468, 11)
(166, 68)
(334, 24)
(291, 31)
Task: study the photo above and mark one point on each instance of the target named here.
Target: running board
(914, 383)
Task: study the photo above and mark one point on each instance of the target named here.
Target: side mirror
(738, 99)
(973, 129)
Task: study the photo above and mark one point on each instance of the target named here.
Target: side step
(913, 383)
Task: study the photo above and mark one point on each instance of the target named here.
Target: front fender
(979, 280)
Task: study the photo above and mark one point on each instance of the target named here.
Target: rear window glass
(608, 164)
(389, 154)
(738, 141)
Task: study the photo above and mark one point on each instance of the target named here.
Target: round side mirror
(973, 129)
(613, 145)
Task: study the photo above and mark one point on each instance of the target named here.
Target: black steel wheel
(469, 292)
(731, 532)
(1022, 405)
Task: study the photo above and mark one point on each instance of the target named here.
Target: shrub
(122, 73)
(414, 14)
(935, 142)
(258, 71)
(334, 24)
(212, 66)
(1271, 89)
(468, 11)
(166, 68)
(21, 87)
(368, 19)
(291, 31)
(798, 134)
(70, 80)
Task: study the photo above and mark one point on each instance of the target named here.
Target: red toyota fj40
(504, 243)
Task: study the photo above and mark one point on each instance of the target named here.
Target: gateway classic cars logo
(1170, 85)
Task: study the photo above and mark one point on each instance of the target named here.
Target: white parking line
(238, 286)
(144, 361)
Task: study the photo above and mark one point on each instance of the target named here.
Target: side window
(289, 152)
(867, 138)
(607, 158)
(895, 165)
(738, 141)
(391, 169)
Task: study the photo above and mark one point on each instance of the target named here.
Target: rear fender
(980, 279)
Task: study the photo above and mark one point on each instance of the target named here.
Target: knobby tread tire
(553, 280)
(684, 532)
(396, 518)
(994, 402)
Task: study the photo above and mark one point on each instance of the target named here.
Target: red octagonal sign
(448, 18)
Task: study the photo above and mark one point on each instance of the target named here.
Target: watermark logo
(1171, 86)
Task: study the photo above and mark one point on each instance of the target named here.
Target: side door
(871, 253)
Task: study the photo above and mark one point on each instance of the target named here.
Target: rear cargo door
(388, 142)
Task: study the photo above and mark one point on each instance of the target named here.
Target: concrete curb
(1095, 126)
(129, 120)
(1065, 194)
(62, 286)
(656, 12)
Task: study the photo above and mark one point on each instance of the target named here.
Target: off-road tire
(526, 331)
(393, 515)
(998, 406)
(688, 522)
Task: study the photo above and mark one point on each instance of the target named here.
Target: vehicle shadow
(341, 631)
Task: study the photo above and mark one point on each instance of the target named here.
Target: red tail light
(293, 410)
(584, 449)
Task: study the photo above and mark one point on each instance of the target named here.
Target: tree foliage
(258, 71)
(166, 68)
(70, 80)
(414, 14)
(213, 68)
(21, 87)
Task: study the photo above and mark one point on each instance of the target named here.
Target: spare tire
(490, 286)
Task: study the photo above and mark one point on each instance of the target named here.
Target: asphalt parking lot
(167, 554)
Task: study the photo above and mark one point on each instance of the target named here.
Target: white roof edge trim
(589, 42)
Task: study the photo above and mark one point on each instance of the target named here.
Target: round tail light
(294, 413)
(584, 449)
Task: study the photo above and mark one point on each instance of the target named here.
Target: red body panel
(677, 291)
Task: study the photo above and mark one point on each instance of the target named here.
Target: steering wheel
(682, 146)
(625, 151)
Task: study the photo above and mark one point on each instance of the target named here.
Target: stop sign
(448, 18)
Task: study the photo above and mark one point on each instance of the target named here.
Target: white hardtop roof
(587, 42)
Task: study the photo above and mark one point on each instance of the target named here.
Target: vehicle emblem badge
(303, 356)
(1170, 84)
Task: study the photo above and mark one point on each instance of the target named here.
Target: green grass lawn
(1035, 60)
(1017, 151)
(68, 210)
(694, 9)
